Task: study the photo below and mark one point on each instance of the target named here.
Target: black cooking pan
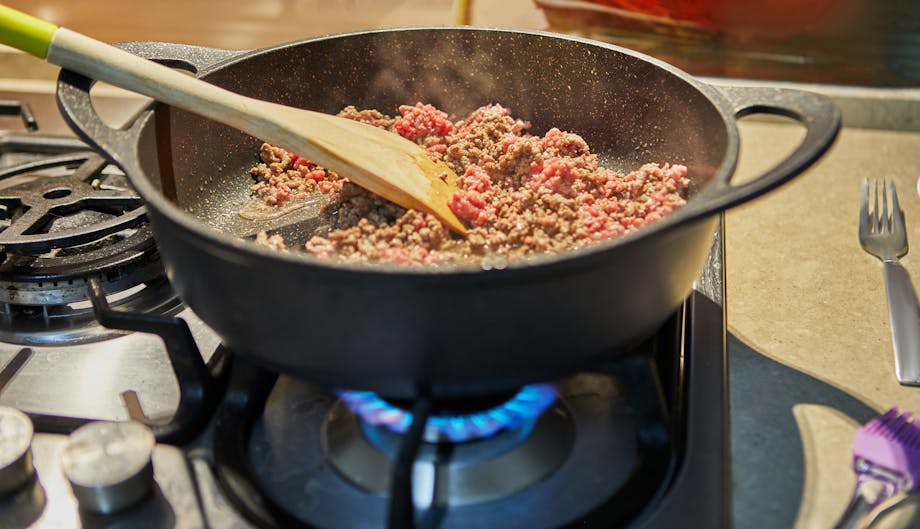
(451, 331)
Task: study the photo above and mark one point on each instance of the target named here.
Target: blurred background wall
(853, 42)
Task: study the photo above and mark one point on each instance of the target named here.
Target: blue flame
(526, 406)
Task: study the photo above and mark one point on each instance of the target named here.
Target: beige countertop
(808, 322)
(810, 340)
(800, 288)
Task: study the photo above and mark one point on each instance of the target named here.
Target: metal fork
(884, 236)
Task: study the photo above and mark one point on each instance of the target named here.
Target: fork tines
(882, 233)
(880, 222)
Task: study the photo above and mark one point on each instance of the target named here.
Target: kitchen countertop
(810, 353)
(809, 346)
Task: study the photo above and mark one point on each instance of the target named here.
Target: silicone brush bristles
(898, 427)
(891, 441)
(881, 421)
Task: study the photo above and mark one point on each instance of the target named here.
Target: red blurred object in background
(774, 17)
(782, 18)
(699, 11)
(865, 42)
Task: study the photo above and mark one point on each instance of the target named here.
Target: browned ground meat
(275, 242)
(283, 176)
(520, 194)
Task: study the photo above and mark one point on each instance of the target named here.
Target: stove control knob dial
(109, 465)
(15, 450)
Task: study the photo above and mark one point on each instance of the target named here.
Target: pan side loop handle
(77, 108)
(816, 112)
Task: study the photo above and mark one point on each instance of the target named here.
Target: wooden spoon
(380, 161)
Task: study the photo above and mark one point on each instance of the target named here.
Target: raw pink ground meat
(520, 194)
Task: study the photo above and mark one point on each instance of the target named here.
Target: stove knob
(15, 450)
(109, 465)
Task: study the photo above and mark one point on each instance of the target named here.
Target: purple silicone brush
(886, 459)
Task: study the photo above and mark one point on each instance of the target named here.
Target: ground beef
(284, 176)
(520, 194)
(275, 242)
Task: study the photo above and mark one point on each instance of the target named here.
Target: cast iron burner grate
(201, 384)
(84, 201)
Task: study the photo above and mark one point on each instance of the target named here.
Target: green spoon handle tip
(25, 32)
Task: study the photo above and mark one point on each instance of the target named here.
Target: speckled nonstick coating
(454, 331)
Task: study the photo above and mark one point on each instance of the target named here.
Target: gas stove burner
(521, 410)
(120, 261)
(76, 323)
(496, 466)
(600, 449)
(65, 220)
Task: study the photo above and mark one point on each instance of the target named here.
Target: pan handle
(77, 108)
(816, 112)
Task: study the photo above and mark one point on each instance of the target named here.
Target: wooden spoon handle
(386, 164)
